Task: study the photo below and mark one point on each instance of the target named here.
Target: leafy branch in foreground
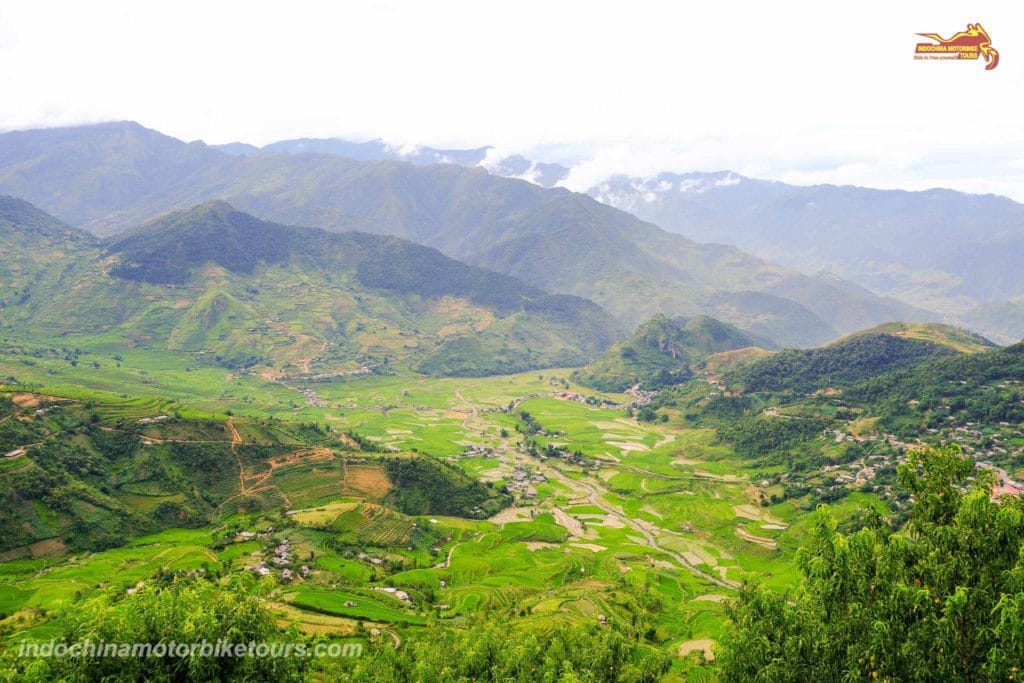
(941, 599)
(182, 610)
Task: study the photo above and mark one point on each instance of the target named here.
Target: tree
(489, 652)
(178, 610)
(940, 599)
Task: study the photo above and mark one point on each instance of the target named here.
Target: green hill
(949, 336)
(91, 476)
(662, 351)
(980, 388)
(856, 358)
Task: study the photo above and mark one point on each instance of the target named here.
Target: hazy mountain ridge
(883, 239)
(934, 248)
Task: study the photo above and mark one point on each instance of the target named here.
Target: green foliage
(489, 652)
(941, 599)
(168, 249)
(842, 364)
(183, 611)
(426, 486)
(770, 438)
(960, 385)
(661, 352)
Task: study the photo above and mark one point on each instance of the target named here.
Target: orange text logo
(969, 44)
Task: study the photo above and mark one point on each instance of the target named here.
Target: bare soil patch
(700, 645)
(369, 480)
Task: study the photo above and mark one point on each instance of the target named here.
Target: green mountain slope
(981, 388)
(662, 351)
(88, 476)
(243, 292)
(884, 239)
(35, 249)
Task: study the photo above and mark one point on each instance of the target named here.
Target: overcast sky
(801, 92)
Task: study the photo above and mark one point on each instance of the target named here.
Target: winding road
(596, 497)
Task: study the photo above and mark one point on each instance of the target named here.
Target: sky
(802, 92)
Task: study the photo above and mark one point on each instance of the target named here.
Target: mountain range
(937, 249)
(940, 250)
(109, 178)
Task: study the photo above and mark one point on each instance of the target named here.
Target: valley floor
(610, 513)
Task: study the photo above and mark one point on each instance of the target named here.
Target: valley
(605, 509)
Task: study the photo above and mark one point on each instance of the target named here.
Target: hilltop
(855, 358)
(662, 351)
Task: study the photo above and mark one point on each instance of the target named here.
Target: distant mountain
(1003, 321)
(856, 358)
(552, 238)
(374, 150)
(216, 281)
(662, 351)
(936, 249)
(515, 166)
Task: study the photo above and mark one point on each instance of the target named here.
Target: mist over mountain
(111, 177)
(937, 249)
(940, 250)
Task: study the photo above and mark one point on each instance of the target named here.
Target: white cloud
(819, 92)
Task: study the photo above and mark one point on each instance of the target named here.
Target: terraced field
(667, 523)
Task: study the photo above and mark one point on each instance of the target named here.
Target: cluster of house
(641, 397)
(331, 376)
(577, 397)
(280, 557)
(376, 561)
(979, 442)
(718, 387)
(854, 474)
(395, 593)
(1005, 486)
(523, 480)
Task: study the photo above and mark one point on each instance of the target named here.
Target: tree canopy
(940, 599)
